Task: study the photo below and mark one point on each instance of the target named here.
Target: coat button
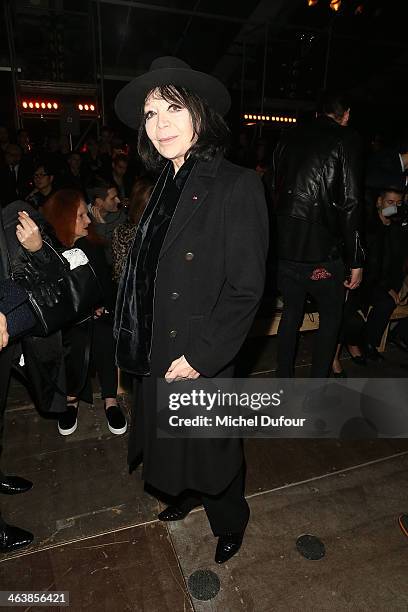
(189, 256)
(175, 295)
(173, 333)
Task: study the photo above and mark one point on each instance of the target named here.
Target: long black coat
(209, 281)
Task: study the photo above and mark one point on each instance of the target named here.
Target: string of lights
(278, 118)
(52, 106)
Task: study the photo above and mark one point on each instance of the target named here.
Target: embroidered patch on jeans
(320, 274)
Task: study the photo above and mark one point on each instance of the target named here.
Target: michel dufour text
(220, 400)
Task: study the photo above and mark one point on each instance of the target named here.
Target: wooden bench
(268, 326)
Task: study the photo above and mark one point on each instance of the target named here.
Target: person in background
(106, 212)
(317, 195)
(67, 213)
(28, 236)
(387, 256)
(74, 177)
(4, 141)
(105, 141)
(23, 140)
(43, 178)
(14, 176)
(52, 153)
(92, 160)
(124, 234)
(118, 146)
(120, 177)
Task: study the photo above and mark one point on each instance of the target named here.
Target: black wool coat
(208, 284)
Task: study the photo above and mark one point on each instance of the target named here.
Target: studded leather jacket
(317, 193)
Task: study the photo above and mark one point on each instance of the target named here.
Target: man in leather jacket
(317, 194)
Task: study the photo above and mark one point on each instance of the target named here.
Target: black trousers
(6, 360)
(102, 359)
(324, 282)
(227, 512)
(378, 317)
(352, 330)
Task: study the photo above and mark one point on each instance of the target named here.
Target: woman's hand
(99, 312)
(4, 337)
(28, 233)
(180, 369)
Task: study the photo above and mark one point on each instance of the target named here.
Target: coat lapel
(4, 262)
(192, 198)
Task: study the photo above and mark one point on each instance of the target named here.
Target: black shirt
(155, 229)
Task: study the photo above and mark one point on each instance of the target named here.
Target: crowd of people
(180, 313)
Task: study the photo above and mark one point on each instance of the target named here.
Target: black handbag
(14, 304)
(71, 292)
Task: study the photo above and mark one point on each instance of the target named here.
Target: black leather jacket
(317, 193)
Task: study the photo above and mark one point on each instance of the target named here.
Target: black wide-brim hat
(169, 71)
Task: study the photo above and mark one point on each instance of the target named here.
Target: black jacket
(387, 255)
(317, 193)
(208, 283)
(214, 255)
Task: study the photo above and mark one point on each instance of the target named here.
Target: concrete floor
(97, 535)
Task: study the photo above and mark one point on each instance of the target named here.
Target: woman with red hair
(67, 213)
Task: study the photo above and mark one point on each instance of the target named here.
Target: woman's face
(169, 127)
(82, 222)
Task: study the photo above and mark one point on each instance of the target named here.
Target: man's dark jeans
(383, 306)
(324, 282)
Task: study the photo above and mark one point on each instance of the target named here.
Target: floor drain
(204, 585)
(310, 547)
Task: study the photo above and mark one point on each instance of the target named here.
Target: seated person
(120, 177)
(74, 177)
(106, 212)
(43, 178)
(387, 252)
(67, 213)
(124, 234)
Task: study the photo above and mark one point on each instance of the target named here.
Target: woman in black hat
(191, 286)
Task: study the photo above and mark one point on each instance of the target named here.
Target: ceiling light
(335, 5)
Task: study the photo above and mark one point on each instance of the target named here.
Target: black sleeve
(246, 246)
(97, 259)
(351, 203)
